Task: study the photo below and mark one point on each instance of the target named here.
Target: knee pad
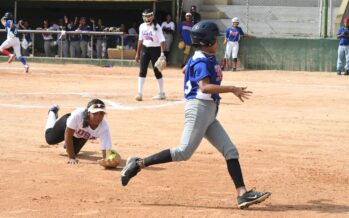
(143, 74)
(158, 74)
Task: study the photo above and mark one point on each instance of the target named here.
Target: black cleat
(339, 72)
(130, 170)
(251, 197)
(346, 72)
(54, 108)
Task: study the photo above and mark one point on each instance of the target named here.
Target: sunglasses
(97, 106)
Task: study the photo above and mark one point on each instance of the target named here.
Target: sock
(161, 85)
(5, 52)
(235, 172)
(235, 63)
(141, 81)
(51, 120)
(224, 63)
(161, 157)
(21, 59)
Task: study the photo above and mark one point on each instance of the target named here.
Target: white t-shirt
(169, 25)
(150, 37)
(75, 122)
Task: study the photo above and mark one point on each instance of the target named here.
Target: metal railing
(60, 39)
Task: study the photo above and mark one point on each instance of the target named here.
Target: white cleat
(26, 68)
(160, 96)
(10, 59)
(139, 97)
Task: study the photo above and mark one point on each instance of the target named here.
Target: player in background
(232, 37)
(77, 127)
(184, 30)
(343, 48)
(202, 86)
(168, 29)
(12, 41)
(151, 45)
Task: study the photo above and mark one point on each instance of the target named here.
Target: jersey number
(188, 87)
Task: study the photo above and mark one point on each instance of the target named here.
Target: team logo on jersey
(84, 134)
(219, 72)
(233, 33)
(148, 35)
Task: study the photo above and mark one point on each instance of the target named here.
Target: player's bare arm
(3, 21)
(139, 48)
(240, 92)
(68, 140)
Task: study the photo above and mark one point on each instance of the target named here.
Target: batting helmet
(8, 16)
(204, 33)
(235, 20)
(346, 19)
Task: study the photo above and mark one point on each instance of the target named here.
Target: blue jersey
(185, 31)
(344, 40)
(11, 31)
(233, 34)
(198, 68)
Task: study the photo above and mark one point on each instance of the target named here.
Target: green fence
(294, 54)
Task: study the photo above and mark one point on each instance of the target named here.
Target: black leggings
(149, 54)
(55, 134)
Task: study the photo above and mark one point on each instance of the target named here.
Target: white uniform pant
(14, 43)
(231, 50)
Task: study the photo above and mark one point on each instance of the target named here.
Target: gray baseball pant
(200, 122)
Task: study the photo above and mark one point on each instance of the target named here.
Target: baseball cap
(95, 106)
(188, 14)
(346, 19)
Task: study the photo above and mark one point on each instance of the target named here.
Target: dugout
(113, 12)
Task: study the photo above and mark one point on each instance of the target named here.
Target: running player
(77, 127)
(151, 44)
(232, 37)
(203, 77)
(12, 41)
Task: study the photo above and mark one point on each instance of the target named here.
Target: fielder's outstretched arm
(240, 92)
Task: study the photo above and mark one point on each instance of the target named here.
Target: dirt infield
(293, 138)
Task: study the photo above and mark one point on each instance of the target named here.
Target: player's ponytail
(85, 118)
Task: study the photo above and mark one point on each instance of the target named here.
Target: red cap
(346, 19)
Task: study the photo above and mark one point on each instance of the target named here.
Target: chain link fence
(101, 45)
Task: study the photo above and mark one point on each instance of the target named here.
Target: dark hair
(85, 113)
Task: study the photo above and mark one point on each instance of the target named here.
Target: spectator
(84, 39)
(184, 33)
(196, 17)
(101, 42)
(132, 37)
(49, 42)
(62, 39)
(168, 28)
(121, 39)
(74, 42)
(26, 41)
(343, 49)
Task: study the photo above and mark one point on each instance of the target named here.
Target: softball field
(292, 134)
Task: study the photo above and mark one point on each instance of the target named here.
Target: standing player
(77, 127)
(184, 30)
(232, 37)
(343, 48)
(202, 81)
(151, 47)
(12, 41)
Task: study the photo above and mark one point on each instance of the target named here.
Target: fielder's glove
(161, 62)
(112, 160)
